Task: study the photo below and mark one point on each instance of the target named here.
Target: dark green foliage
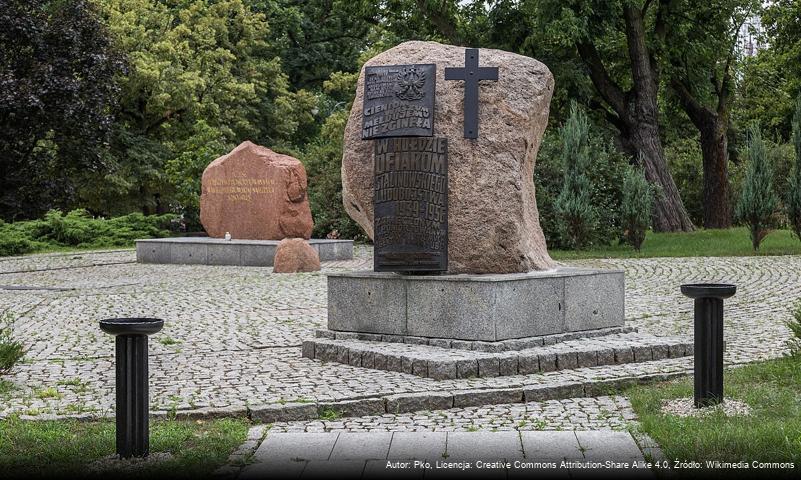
(323, 160)
(184, 171)
(635, 211)
(794, 184)
(794, 343)
(606, 170)
(684, 160)
(11, 351)
(577, 216)
(57, 84)
(78, 229)
(758, 201)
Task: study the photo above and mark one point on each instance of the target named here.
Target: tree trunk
(714, 148)
(669, 212)
(713, 126)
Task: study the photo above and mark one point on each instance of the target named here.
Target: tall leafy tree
(316, 38)
(700, 56)
(620, 44)
(57, 90)
(617, 43)
(198, 69)
(794, 187)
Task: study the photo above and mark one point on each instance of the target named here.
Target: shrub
(794, 344)
(577, 216)
(11, 351)
(322, 159)
(606, 169)
(79, 229)
(635, 210)
(684, 157)
(758, 201)
(794, 184)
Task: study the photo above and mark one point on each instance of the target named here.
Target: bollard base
(708, 342)
(133, 430)
(132, 413)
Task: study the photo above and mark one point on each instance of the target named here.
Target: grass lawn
(772, 433)
(66, 447)
(700, 243)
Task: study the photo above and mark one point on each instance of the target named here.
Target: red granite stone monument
(254, 193)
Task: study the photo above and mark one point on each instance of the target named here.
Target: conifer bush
(758, 201)
(577, 216)
(794, 343)
(636, 207)
(794, 185)
(11, 351)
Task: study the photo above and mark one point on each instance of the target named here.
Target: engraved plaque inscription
(411, 204)
(398, 101)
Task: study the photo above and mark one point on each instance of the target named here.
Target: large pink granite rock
(493, 223)
(255, 194)
(294, 255)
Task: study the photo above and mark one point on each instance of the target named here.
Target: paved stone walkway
(445, 454)
(232, 335)
(595, 413)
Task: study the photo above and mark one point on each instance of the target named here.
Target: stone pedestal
(216, 251)
(489, 307)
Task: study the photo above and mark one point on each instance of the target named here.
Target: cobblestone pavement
(232, 335)
(596, 413)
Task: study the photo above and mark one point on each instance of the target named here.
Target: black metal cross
(471, 74)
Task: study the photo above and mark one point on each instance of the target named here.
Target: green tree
(619, 45)
(195, 65)
(314, 39)
(57, 69)
(794, 186)
(758, 201)
(700, 57)
(577, 216)
(635, 210)
(771, 80)
(184, 171)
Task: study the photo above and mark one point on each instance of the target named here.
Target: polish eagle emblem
(409, 84)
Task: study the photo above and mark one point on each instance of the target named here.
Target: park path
(484, 454)
(232, 336)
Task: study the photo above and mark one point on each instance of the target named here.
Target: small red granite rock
(295, 255)
(255, 194)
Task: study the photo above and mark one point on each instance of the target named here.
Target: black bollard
(708, 351)
(133, 409)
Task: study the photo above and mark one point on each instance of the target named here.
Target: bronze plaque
(411, 204)
(399, 101)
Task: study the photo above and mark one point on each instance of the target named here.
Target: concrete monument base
(218, 251)
(490, 307)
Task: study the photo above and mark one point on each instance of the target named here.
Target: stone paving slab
(461, 454)
(232, 336)
(416, 445)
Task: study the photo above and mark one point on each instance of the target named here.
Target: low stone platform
(491, 347)
(490, 307)
(218, 251)
(442, 363)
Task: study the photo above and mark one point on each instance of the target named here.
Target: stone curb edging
(412, 402)
(401, 403)
(477, 345)
(419, 361)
